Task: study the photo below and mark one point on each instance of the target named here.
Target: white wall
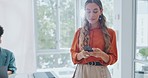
(16, 16)
(124, 24)
(127, 38)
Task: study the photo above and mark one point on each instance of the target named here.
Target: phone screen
(88, 48)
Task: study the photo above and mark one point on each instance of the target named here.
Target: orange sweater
(96, 41)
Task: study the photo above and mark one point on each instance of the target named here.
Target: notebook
(3, 72)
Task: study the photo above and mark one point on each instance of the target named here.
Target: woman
(95, 34)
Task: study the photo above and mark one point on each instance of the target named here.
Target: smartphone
(88, 48)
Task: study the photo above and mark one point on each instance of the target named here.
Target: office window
(141, 54)
(55, 24)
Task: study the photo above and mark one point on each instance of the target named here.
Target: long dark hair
(1, 30)
(84, 33)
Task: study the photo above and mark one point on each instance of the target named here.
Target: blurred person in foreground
(6, 57)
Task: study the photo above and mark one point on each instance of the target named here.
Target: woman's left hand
(96, 52)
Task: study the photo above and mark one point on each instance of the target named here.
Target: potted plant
(144, 53)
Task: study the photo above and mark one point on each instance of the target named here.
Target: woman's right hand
(82, 54)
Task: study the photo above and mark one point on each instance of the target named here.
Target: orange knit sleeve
(75, 47)
(113, 56)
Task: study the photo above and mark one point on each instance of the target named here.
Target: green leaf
(144, 51)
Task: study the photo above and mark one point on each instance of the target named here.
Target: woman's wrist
(105, 57)
(79, 56)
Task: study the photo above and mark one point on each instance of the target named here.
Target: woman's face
(92, 12)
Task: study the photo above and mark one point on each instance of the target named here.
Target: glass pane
(141, 69)
(141, 54)
(142, 30)
(45, 13)
(82, 11)
(58, 63)
(54, 60)
(108, 11)
(67, 22)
